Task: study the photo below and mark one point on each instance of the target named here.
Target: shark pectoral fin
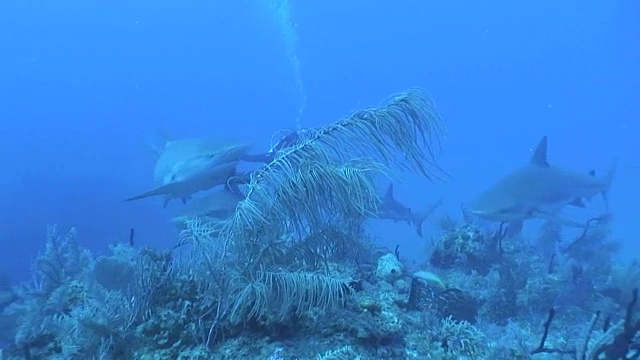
(161, 190)
(578, 203)
(514, 228)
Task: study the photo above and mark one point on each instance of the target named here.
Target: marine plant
(281, 253)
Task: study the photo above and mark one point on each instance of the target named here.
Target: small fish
(430, 278)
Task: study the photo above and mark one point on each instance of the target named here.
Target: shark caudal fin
(419, 218)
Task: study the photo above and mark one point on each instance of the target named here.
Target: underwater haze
(98, 97)
(88, 85)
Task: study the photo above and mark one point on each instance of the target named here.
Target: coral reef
(143, 303)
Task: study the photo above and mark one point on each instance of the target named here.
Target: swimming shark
(392, 209)
(537, 190)
(185, 167)
(217, 204)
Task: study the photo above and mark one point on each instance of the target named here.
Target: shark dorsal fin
(540, 155)
(389, 194)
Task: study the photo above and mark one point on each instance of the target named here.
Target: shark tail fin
(418, 225)
(419, 219)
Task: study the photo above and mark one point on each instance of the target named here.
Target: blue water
(86, 85)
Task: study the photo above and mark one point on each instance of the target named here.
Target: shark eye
(170, 178)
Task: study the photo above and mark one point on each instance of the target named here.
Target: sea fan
(330, 172)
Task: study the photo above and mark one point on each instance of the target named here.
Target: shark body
(537, 190)
(392, 209)
(219, 204)
(188, 166)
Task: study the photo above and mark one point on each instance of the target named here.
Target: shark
(392, 209)
(217, 204)
(537, 190)
(188, 166)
